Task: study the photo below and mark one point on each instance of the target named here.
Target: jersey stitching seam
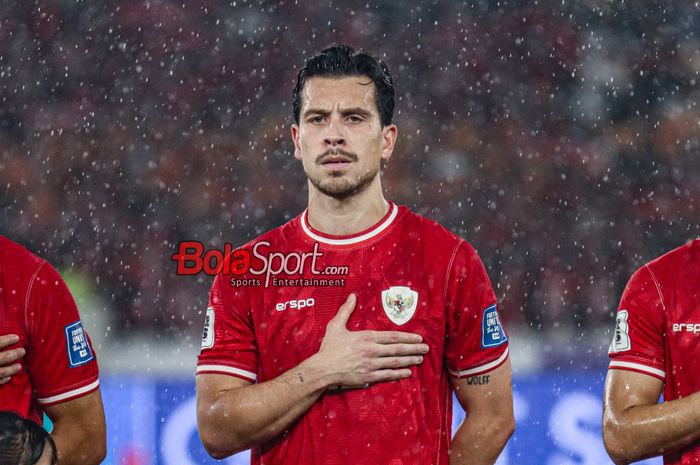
(661, 299)
(29, 292)
(658, 288)
(449, 270)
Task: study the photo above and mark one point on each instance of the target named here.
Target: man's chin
(338, 192)
(339, 189)
(340, 186)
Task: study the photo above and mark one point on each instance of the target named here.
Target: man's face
(340, 139)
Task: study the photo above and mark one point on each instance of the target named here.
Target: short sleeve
(638, 342)
(60, 359)
(476, 340)
(228, 340)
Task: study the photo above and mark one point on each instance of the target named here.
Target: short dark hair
(340, 61)
(22, 441)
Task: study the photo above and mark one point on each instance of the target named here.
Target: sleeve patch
(79, 352)
(621, 339)
(208, 332)
(492, 333)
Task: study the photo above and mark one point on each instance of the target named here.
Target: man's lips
(335, 161)
(335, 165)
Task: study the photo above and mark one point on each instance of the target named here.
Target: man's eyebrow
(344, 111)
(355, 111)
(316, 111)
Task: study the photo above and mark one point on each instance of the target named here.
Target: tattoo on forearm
(480, 380)
(301, 378)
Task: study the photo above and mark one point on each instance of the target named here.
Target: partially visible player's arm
(79, 430)
(488, 401)
(234, 415)
(635, 426)
(8, 367)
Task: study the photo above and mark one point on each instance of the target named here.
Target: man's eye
(316, 119)
(354, 118)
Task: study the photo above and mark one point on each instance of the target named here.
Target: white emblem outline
(399, 304)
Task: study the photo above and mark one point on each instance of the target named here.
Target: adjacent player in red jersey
(351, 354)
(58, 372)
(655, 350)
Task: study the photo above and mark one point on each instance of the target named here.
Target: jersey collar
(353, 238)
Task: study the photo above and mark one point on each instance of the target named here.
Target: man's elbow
(79, 445)
(93, 454)
(98, 452)
(219, 442)
(96, 436)
(616, 444)
(214, 448)
(499, 428)
(506, 427)
(218, 447)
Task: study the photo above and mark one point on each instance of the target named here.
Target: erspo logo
(686, 327)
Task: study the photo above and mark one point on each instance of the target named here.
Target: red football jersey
(36, 305)
(657, 331)
(409, 274)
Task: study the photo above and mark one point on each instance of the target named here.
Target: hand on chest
(394, 293)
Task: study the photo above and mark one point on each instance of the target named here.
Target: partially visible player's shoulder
(23, 263)
(433, 233)
(681, 260)
(690, 251)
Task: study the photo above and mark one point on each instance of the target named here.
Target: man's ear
(295, 139)
(389, 134)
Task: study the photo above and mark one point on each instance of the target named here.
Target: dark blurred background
(560, 138)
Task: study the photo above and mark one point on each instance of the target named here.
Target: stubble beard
(341, 188)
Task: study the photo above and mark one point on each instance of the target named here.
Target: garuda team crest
(399, 303)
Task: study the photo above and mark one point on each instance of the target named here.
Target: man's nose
(334, 135)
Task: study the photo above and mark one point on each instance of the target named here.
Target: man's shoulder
(681, 259)
(432, 231)
(23, 263)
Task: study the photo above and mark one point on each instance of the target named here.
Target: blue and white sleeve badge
(79, 352)
(492, 333)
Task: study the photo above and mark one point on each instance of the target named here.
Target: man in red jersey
(58, 371)
(305, 371)
(655, 350)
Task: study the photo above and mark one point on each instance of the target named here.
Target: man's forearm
(244, 417)
(479, 441)
(647, 430)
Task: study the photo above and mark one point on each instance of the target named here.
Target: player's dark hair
(22, 441)
(342, 61)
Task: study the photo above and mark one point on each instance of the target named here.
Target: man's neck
(347, 216)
